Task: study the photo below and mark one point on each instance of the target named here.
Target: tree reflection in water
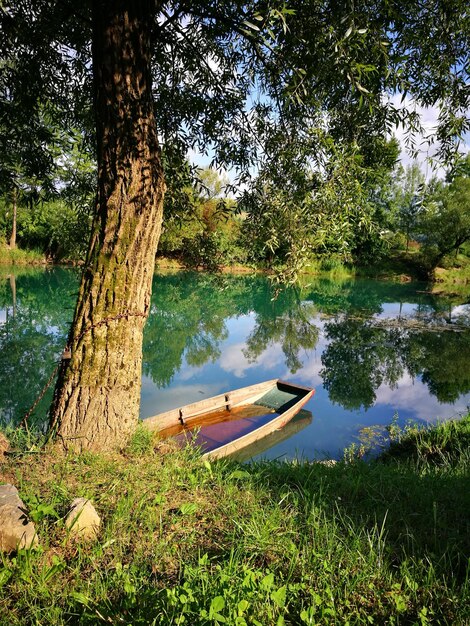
(192, 314)
(38, 307)
(188, 321)
(358, 359)
(287, 321)
(361, 356)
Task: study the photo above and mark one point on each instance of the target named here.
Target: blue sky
(429, 119)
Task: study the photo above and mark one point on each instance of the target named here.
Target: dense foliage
(427, 222)
(286, 229)
(251, 84)
(53, 210)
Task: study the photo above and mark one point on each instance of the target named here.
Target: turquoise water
(371, 349)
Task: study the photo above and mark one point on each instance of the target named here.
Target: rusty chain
(67, 353)
(40, 396)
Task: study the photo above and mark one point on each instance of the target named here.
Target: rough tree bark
(97, 396)
(15, 211)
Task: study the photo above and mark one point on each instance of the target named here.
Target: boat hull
(232, 416)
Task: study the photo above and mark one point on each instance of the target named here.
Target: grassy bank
(455, 278)
(16, 256)
(189, 542)
(398, 267)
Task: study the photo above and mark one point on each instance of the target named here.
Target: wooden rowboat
(276, 437)
(227, 423)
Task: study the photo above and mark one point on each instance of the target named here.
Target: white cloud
(413, 396)
(234, 361)
(310, 372)
(188, 371)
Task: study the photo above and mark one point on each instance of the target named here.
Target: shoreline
(446, 282)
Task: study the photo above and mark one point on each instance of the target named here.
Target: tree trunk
(13, 292)
(97, 396)
(13, 226)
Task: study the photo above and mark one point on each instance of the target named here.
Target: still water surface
(371, 349)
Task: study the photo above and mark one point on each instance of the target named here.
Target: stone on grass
(82, 520)
(16, 529)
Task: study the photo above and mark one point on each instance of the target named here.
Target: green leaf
(54, 569)
(240, 475)
(411, 584)
(188, 508)
(242, 606)
(267, 581)
(42, 511)
(250, 25)
(400, 603)
(81, 598)
(279, 596)
(208, 467)
(217, 604)
(5, 575)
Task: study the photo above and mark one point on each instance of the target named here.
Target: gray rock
(9, 495)
(82, 520)
(16, 529)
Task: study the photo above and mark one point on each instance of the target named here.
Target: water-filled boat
(226, 423)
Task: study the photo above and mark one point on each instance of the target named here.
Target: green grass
(167, 263)
(185, 541)
(397, 266)
(455, 278)
(20, 257)
(331, 267)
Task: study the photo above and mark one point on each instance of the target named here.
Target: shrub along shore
(185, 541)
(17, 256)
(399, 267)
(450, 281)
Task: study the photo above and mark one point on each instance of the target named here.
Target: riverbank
(185, 541)
(451, 281)
(454, 279)
(401, 268)
(17, 256)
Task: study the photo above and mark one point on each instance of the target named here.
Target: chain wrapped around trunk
(67, 354)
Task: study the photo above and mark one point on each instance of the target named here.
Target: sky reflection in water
(370, 348)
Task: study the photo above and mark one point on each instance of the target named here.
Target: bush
(53, 228)
(331, 263)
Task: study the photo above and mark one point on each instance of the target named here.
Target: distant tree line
(363, 209)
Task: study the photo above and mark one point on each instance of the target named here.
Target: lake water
(372, 349)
